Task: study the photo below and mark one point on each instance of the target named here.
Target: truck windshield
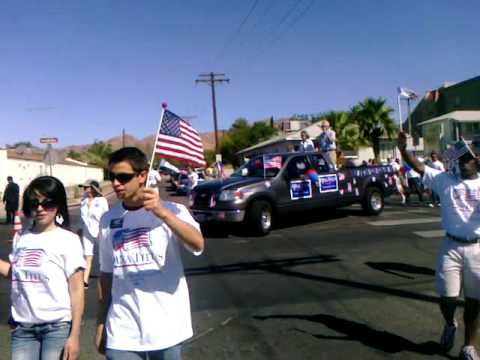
(261, 166)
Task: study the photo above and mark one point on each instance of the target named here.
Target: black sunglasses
(122, 178)
(46, 204)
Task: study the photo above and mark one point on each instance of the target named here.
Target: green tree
(26, 144)
(348, 132)
(98, 154)
(75, 155)
(374, 119)
(242, 135)
(209, 156)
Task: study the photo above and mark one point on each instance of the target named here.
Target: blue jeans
(39, 341)
(172, 353)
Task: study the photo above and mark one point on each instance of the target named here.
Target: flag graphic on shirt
(29, 257)
(128, 239)
(177, 139)
(272, 162)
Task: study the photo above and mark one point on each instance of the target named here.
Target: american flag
(457, 151)
(29, 257)
(128, 239)
(407, 93)
(178, 140)
(272, 162)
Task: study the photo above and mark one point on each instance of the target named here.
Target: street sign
(49, 140)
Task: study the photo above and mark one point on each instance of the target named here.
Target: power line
(271, 38)
(289, 12)
(292, 23)
(260, 19)
(232, 37)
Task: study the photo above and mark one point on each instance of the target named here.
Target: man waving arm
(408, 157)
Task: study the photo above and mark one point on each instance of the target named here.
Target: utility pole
(123, 138)
(211, 79)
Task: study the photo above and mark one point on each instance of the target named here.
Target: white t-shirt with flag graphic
(150, 308)
(41, 266)
(460, 201)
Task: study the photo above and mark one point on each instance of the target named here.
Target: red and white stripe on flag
(177, 139)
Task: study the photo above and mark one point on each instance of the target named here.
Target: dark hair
(52, 189)
(132, 155)
(9, 178)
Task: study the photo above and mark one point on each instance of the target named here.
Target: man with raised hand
(144, 306)
(458, 263)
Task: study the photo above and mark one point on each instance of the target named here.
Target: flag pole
(399, 113)
(164, 107)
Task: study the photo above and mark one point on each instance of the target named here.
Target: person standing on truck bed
(458, 263)
(327, 144)
(306, 144)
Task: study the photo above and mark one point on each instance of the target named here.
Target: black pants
(415, 185)
(10, 215)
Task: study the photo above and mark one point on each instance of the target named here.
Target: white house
(26, 166)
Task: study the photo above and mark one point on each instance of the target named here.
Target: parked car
(275, 184)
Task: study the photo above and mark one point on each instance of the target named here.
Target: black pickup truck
(275, 184)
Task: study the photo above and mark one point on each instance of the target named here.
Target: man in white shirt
(192, 179)
(144, 306)
(327, 143)
(414, 182)
(397, 176)
(438, 165)
(458, 264)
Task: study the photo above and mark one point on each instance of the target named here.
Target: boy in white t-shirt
(144, 306)
(459, 259)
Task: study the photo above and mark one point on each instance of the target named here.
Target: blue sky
(83, 70)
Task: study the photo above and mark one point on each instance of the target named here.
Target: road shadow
(283, 221)
(359, 285)
(294, 219)
(396, 269)
(260, 265)
(284, 267)
(354, 331)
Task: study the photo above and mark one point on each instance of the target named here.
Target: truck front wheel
(373, 201)
(260, 217)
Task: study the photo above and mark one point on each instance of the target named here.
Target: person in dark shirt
(10, 199)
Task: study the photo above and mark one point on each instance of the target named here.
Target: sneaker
(448, 336)
(468, 353)
(431, 205)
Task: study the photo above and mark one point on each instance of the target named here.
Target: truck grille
(202, 199)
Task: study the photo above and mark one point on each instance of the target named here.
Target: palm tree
(348, 132)
(374, 120)
(98, 154)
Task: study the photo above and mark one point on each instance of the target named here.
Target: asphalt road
(324, 285)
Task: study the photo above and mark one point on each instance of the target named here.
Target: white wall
(24, 171)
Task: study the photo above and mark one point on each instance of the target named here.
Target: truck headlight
(230, 195)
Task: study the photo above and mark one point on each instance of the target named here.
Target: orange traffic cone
(17, 226)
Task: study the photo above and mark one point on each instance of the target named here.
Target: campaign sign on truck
(300, 189)
(328, 183)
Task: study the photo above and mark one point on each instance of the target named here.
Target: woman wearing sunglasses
(92, 207)
(46, 267)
